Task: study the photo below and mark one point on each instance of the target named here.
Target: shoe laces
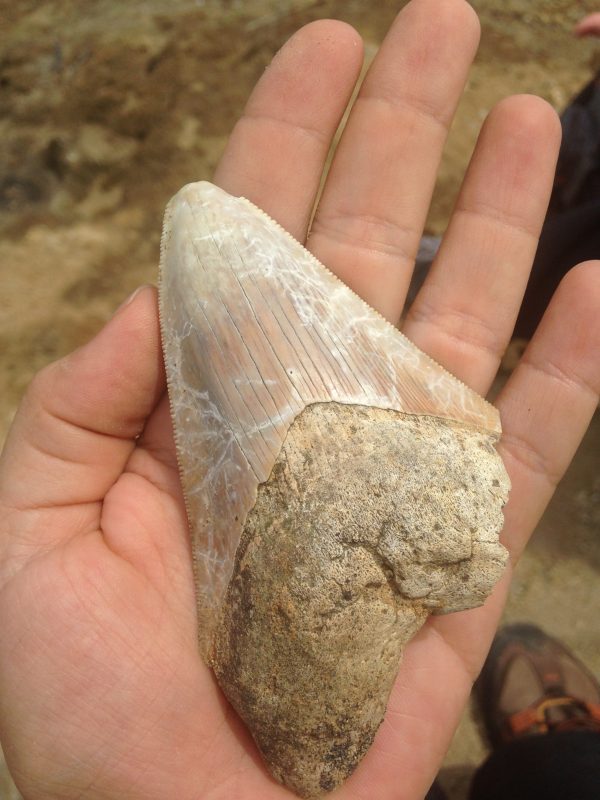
(560, 713)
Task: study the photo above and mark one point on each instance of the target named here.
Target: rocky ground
(108, 109)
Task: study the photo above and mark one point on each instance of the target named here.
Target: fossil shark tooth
(340, 485)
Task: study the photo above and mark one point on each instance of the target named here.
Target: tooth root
(340, 484)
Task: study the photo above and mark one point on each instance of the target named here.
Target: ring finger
(465, 312)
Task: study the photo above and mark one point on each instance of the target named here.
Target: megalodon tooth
(340, 485)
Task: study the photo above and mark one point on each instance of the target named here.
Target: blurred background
(108, 108)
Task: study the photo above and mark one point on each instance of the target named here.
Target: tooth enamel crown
(294, 405)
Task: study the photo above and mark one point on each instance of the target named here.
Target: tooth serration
(269, 357)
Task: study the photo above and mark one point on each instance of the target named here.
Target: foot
(531, 684)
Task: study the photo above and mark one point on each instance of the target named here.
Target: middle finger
(374, 205)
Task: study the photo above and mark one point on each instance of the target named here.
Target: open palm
(102, 691)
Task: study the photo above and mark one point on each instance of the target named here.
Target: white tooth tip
(332, 471)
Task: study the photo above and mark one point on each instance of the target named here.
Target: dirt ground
(108, 108)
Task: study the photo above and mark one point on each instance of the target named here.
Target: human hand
(588, 26)
(102, 691)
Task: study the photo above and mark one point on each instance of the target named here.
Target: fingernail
(131, 298)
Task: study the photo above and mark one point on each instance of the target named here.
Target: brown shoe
(531, 684)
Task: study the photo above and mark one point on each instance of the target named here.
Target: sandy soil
(106, 113)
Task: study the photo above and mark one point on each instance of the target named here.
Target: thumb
(79, 419)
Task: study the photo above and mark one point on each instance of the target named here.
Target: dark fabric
(577, 177)
(436, 793)
(568, 237)
(571, 231)
(554, 766)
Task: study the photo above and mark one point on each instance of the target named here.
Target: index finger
(277, 151)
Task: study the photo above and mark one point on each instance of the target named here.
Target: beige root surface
(370, 521)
